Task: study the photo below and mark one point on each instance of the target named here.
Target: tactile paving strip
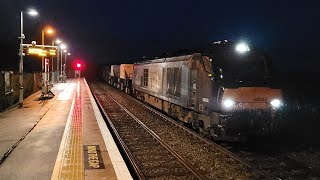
(72, 166)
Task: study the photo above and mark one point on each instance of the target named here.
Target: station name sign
(92, 157)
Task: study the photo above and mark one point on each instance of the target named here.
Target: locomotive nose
(249, 98)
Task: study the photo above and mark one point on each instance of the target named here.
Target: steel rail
(223, 150)
(162, 142)
(122, 144)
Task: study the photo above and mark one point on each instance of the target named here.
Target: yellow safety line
(71, 165)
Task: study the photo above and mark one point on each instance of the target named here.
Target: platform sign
(92, 157)
(41, 51)
(35, 50)
(77, 73)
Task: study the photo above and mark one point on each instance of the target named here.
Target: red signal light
(78, 65)
(47, 61)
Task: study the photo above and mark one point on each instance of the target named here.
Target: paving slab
(35, 155)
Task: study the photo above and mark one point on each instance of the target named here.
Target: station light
(58, 41)
(242, 48)
(63, 46)
(32, 12)
(50, 31)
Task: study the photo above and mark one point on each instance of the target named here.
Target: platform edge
(117, 161)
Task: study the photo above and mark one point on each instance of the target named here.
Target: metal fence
(32, 82)
(9, 87)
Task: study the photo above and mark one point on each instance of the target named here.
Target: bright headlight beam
(275, 103)
(228, 103)
(242, 47)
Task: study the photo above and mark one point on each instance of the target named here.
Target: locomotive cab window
(249, 70)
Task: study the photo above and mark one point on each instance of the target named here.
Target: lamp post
(58, 41)
(22, 36)
(65, 69)
(65, 61)
(63, 48)
(47, 30)
(52, 72)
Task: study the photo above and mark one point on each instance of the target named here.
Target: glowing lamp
(33, 12)
(50, 31)
(276, 103)
(58, 41)
(63, 46)
(242, 48)
(228, 103)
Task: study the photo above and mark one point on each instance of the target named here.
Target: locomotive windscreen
(243, 69)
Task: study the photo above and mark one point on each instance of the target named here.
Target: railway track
(152, 154)
(159, 148)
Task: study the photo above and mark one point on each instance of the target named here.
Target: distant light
(58, 41)
(65, 51)
(50, 31)
(63, 46)
(69, 54)
(33, 12)
(242, 47)
(78, 65)
(276, 103)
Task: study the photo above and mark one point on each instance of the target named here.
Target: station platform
(64, 137)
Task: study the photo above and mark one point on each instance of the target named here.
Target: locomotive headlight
(276, 103)
(242, 47)
(228, 103)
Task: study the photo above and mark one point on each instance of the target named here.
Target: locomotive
(223, 92)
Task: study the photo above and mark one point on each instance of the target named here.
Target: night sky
(122, 31)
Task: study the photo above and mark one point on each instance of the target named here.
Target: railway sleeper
(160, 172)
(159, 157)
(142, 143)
(134, 149)
(147, 151)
